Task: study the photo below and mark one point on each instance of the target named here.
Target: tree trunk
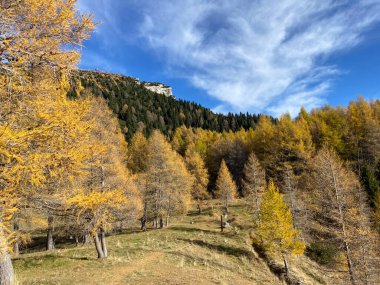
(76, 240)
(98, 245)
(86, 237)
(285, 266)
(199, 208)
(167, 221)
(50, 229)
(343, 228)
(7, 275)
(349, 262)
(144, 218)
(143, 224)
(161, 222)
(16, 246)
(225, 206)
(103, 241)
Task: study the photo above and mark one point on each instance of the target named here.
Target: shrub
(322, 252)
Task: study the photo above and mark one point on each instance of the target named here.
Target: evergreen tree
(370, 183)
(153, 110)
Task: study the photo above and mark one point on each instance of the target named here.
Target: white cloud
(251, 55)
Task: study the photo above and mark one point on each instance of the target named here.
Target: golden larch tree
(107, 192)
(196, 167)
(342, 210)
(168, 183)
(253, 182)
(274, 231)
(226, 189)
(138, 153)
(37, 38)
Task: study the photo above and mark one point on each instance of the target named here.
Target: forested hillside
(138, 108)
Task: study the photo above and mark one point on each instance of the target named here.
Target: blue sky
(242, 55)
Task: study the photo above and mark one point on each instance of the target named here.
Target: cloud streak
(252, 55)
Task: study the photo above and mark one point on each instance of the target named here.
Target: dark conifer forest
(138, 108)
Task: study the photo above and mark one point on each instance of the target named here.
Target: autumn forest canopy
(86, 156)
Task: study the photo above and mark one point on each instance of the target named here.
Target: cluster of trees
(321, 198)
(326, 164)
(164, 181)
(140, 109)
(352, 132)
(59, 158)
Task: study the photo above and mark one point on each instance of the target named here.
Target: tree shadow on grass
(48, 257)
(191, 230)
(230, 250)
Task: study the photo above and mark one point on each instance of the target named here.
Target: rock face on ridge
(159, 88)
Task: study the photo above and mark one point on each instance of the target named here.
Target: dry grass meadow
(191, 251)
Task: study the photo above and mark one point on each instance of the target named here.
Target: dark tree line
(138, 108)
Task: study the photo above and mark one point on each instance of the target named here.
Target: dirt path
(121, 272)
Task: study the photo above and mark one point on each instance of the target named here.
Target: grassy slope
(191, 251)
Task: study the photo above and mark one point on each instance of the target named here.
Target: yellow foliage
(168, 183)
(105, 188)
(138, 153)
(94, 200)
(274, 230)
(226, 189)
(40, 130)
(196, 167)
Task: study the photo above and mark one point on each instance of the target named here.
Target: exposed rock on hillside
(159, 88)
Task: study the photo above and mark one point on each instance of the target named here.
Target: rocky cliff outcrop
(159, 88)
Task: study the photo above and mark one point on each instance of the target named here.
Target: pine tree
(253, 181)
(196, 167)
(370, 182)
(274, 231)
(226, 189)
